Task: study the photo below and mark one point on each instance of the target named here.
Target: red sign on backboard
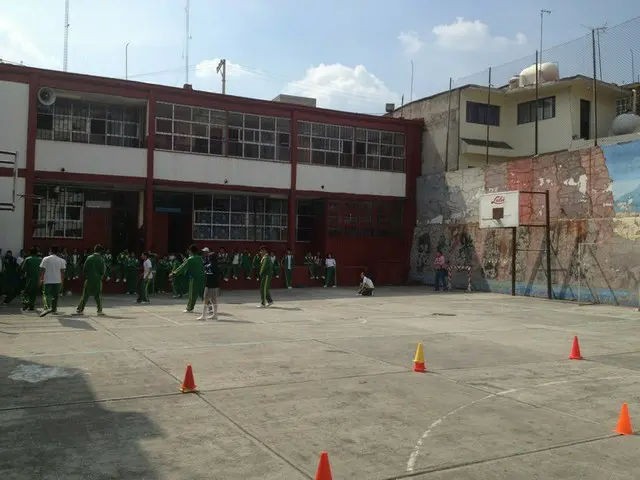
(498, 200)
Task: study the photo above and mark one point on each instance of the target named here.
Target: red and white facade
(141, 166)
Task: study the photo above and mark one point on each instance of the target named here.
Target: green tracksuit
(233, 268)
(94, 271)
(266, 271)
(30, 269)
(131, 270)
(223, 265)
(287, 265)
(245, 261)
(108, 265)
(193, 267)
(255, 265)
(308, 261)
(276, 266)
(11, 271)
(121, 262)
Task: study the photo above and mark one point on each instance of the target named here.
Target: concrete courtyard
(86, 397)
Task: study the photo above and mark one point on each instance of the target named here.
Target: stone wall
(595, 225)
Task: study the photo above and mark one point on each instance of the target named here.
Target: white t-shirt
(148, 274)
(236, 259)
(53, 266)
(366, 282)
(19, 260)
(331, 262)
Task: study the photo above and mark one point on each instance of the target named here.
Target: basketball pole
(514, 246)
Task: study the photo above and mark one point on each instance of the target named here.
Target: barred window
(239, 217)
(365, 219)
(58, 212)
(344, 146)
(69, 120)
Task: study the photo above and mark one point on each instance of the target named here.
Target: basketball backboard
(500, 210)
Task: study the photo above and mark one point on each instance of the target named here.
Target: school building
(141, 166)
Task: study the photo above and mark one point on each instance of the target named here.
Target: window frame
(44, 211)
(526, 111)
(482, 115)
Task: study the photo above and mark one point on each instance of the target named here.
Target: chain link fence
(584, 86)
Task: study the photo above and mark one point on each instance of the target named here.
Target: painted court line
(411, 463)
(161, 317)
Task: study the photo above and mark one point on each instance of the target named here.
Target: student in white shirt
(330, 264)
(147, 277)
(52, 270)
(366, 286)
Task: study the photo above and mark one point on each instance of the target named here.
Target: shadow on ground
(58, 440)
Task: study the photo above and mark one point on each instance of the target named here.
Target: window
(58, 212)
(483, 114)
(304, 220)
(70, 120)
(239, 217)
(201, 130)
(624, 105)
(342, 146)
(527, 110)
(365, 219)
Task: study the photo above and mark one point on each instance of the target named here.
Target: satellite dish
(46, 96)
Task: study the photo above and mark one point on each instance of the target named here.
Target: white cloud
(207, 68)
(473, 35)
(410, 42)
(340, 87)
(16, 47)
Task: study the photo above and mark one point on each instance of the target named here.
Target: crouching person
(366, 286)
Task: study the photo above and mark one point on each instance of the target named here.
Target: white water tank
(548, 72)
(514, 82)
(625, 124)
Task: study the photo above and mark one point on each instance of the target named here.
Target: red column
(30, 160)
(148, 199)
(294, 176)
(413, 160)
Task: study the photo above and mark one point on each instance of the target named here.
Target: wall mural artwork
(595, 215)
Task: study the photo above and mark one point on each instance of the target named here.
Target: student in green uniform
(318, 266)
(276, 264)
(255, 265)
(310, 263)
(30, 270)
(330, 265)
(246, 264)
(108, 263)
(11, 277)
(121, 260)
(131, 270)
(52, 273)
(288, 264)
(193, 267)
(266, 271)
(223, 264)
(147, 278)
(162, 273)
(234, 265)
(94, 270)
(73, 266)
(177, 283)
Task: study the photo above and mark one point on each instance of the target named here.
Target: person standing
(147, 279)
(212, 287)
(30, 269)
(235, 265)
(11, 277)
(266, 271)
(193, 267)
(330, 264)
(94, 270)
(441, 271)
(52, 272)
(287, 265)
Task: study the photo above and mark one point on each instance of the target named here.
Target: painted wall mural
(595, 231)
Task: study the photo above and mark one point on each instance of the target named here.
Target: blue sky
(350, 54)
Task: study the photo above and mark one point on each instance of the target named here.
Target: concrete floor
(97, 397)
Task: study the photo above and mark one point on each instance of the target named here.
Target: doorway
(124, 221)
(585, 119)
(179, 232)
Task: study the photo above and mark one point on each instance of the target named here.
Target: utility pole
(542, 13)
(222, 68)
(186, 45)
(126, 61)
(65, 55)
(411, 91)
(603, 29)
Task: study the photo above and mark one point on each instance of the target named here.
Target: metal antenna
(65, 55)
(186, 47)
(542, 12)
(222, 67)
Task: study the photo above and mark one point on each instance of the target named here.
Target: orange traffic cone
(324, 469)
(624, 422)
(575, 350)
(418, 360)
(189, 384)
